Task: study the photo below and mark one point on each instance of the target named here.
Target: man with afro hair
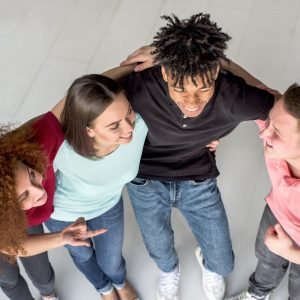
(187, 101)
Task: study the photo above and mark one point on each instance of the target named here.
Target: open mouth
(190, 109)
(126, 137)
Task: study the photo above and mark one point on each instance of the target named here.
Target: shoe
(51, 297)
(168, 286)
(127, 292)
(245, 295)
(213, 283)
(110, 295)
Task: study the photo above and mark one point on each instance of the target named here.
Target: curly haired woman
(27, 185)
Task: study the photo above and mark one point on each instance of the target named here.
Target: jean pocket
(139, 182)
(199, 181)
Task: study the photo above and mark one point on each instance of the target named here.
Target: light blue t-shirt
(90, 187)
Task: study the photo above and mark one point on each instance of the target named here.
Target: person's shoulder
(140, 124)
(231, 80)
(234, 82)
(48, 132)
(46, 120)
(153, 73)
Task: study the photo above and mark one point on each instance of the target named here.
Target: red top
(49, 135)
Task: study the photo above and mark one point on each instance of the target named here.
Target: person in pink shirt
(278, 240)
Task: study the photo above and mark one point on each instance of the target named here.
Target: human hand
(142, 57)
(77, 233)
(212, 146)
(278, 241)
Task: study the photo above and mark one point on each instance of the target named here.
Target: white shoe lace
(168, 283)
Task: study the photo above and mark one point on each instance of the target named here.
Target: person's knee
(81, 254)
(9, 281)
(114, 267)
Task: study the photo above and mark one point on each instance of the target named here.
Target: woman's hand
(77, 233)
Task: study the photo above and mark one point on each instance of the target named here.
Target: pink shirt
(284, 197)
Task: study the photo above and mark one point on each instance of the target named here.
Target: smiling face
(191, 98)
(281, 135)
(29, 189)
(114, 126)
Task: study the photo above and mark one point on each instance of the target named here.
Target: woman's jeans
(38, 269)
(200, 203)
(102, 263)
(271, 268)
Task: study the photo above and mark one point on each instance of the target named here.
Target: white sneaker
(245, 295)
(52, 297)
(213, 283)
(168, 286)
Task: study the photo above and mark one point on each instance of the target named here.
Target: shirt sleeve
(49, 135)
(249, 103)
(262, 124)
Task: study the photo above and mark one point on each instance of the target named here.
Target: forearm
(292, 255)
(119, 72)
(239, 71)
(39, 243)
(115, 73)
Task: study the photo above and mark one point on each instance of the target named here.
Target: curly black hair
(190, 48)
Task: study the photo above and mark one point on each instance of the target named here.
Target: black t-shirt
(175, 149)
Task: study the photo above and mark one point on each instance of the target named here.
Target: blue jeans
(38, 269)
(102, 263)
(271, 268)
(201, 205)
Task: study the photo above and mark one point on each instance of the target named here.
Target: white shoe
(52, 297)
(168, 286)
(213, 283)
(245, 295)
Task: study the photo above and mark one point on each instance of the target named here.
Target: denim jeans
(102, 263)
(38, 269)
(201, 205)
(271, 268)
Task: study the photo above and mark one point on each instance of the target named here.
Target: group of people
(154, 127)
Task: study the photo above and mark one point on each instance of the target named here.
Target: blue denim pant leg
(151, 203)
(101, 263)
(38, 269)
(108, 246)
(202, 206)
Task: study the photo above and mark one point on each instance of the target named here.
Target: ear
(90, 132)
(164, 73)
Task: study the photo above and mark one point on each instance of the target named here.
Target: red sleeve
(49, 135)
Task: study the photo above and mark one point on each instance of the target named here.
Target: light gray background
(46, 44)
